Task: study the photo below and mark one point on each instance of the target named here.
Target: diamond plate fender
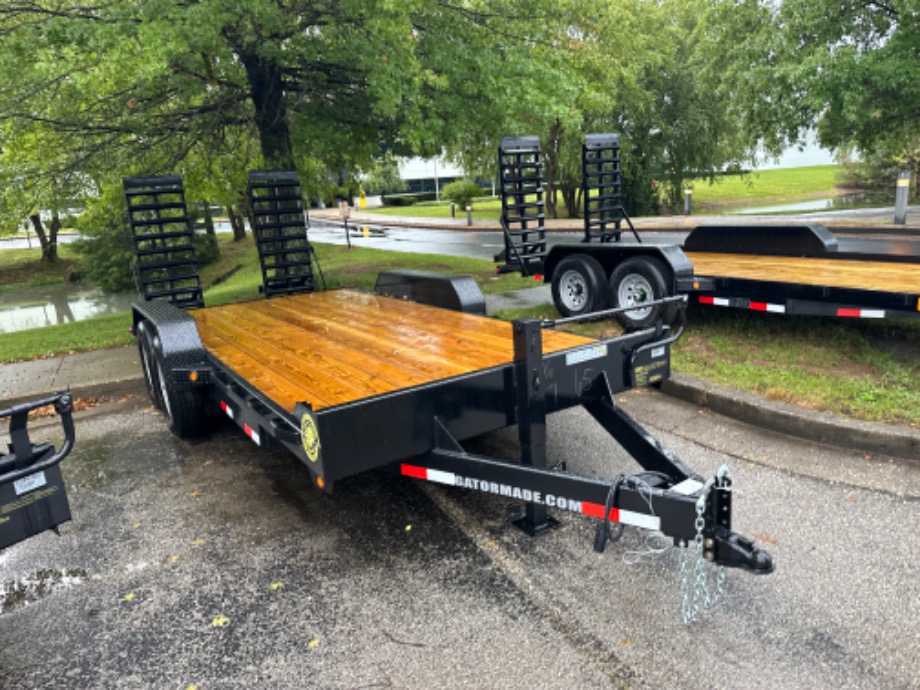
(176, 340)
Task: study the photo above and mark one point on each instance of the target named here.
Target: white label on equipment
(688, 487)
(26, 484)
(658, 352)
(586, 355)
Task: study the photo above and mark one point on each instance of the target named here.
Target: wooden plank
(282, 365)
(880, 276)
(336, 347)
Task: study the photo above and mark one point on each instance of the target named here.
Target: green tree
(847, 69)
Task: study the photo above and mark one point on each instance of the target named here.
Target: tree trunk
(570, 197)
(551, 158)
(208, 220)
(48, 240)
(246, 211)
(236, 222)
(266, 89)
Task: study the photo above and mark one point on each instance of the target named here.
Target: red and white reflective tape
(764, 306)
(717, 301)
(595, 510)
(627, 517)
(253, 434)
(448, 478)
(755, 306)
(250, 432)
(862, 313)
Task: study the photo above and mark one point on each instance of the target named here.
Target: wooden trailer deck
(336, 347)
(884, 276)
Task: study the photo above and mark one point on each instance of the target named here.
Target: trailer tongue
(350, 382)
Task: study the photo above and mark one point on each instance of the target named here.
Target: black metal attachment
(165, 264)
(602, 189)
(285, 253)
(32, 492)
(520, 165)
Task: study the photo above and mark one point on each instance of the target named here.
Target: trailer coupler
(734, 551)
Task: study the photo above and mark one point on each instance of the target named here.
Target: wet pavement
(213, 564)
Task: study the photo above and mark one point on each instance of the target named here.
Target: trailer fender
(176, 367)
(459, 293)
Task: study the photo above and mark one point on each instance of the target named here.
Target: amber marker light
(321, 483)
(193, 376)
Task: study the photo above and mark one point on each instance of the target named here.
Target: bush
(409, 199)
(461, 192)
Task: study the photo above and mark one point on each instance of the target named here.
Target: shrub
(409, 199)
(461, 192)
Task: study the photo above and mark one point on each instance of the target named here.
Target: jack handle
(23, 452)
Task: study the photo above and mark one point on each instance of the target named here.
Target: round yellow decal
(309, 437)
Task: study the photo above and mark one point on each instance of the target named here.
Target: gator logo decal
(309, 437)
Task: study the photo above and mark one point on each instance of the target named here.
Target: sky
(810, 154)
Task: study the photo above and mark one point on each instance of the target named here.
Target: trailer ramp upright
(161, 231)
(520, 164)
(285, 254)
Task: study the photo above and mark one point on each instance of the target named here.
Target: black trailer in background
(778, 268)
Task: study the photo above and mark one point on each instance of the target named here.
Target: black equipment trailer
(349, 382)
(787, 269)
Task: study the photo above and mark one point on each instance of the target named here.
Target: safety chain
(691, 600)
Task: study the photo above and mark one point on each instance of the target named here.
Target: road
(214, 565)
(486, 243)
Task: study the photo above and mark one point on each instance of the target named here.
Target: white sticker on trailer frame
(586, 354)
(29, 483)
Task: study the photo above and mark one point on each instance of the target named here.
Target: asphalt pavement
(215, 564)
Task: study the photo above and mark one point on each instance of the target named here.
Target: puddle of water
(49, 305)
(29, 589)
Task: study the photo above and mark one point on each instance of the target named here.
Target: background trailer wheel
(183, 406)
(579, 285)
(638, 280)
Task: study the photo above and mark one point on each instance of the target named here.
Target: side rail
(32, 494)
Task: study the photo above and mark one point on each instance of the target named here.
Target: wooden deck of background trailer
(882, 276)
(336, 347)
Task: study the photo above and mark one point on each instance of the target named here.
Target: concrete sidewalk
(118, 371)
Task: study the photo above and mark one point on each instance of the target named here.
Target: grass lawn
(20, 267)
(764, 188)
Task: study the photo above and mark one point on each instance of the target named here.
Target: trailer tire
(183, 407)
(148, 362)
(579, 285)
(638, 279)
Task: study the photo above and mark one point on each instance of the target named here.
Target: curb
(820, 427)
